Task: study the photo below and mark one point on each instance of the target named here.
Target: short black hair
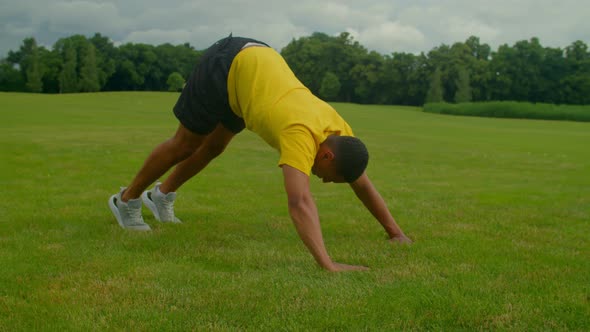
(350, 156)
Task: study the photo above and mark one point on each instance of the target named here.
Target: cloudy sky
(382, 25)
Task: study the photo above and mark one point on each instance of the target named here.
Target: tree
(575, 85)
(175, 82)
(89, 81)
(51, 62)
(366, 75)
(418, 80)
(469, 70)
(478, 50)
(463, 92)
(518, 71)
(330, 86)
(106, 53)
(501, 76)
(436, 91)
(10, 77)
(34, 73)
(137, 69)
(68, 78)
(28, 60)
(404, 79)
(478, 67)
(180, 59)
(312, 57)
(553, 69)
(442, 59)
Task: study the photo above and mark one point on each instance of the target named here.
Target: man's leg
(172, 151)
(213, 145)
(160, 199)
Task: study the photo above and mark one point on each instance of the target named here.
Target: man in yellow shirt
(243, 83)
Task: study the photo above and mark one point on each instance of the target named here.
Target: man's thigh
(216, 141)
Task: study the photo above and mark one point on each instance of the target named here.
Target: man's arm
(368, 194)
(304, 214)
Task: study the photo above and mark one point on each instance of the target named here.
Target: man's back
(277, 106)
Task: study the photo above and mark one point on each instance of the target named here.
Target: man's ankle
(164, 189)
(125, 197)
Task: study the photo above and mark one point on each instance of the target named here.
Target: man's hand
(401, 239)
(338, 267)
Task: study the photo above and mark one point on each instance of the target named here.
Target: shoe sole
(115, 211)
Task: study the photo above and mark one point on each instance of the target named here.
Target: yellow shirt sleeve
(297, 149)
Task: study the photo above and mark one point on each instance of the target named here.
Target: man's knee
(184, 143)
(214, 149)
(182, 148)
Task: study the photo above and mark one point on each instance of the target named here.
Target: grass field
(499, 210)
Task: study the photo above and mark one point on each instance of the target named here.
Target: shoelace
(135, 216)
(168, 207)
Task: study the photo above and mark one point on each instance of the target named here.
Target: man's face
(324, 168)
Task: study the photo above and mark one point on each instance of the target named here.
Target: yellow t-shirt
(279, 108)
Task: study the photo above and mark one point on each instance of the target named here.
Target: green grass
(514, 110)
(499, 210)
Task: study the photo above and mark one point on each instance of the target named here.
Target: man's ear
(328, 154)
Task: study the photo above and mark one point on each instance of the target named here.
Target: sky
(384, 26)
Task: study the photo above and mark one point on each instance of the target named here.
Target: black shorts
(204, 101)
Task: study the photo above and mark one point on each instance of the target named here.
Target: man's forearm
(304, 213)
(305, 218)
(366, 192)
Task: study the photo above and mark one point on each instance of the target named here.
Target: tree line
(81, 64)
(336, 68)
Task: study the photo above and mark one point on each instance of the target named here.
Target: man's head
(340, 159)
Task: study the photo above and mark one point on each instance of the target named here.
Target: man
(242, 82)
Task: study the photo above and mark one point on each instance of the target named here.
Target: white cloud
(387, 37)
(382, 25)
(460, 28)
(84, 15)
(157, 36)
(13, 30)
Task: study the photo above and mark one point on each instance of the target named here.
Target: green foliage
(68, 78)
(575, 84)
(179, 58)
(436, 91)
(467, 71)
(145, 67)
(312, 57)
(405, 79)
(105, 57)
(366, 75)
(175, 82)
(51, 62)
(519, 110)
(498, 209)
(80, 70)
(34, 75)
(89, 80)
(10, 78)
(330, 86)
(530, 72)
(463, 92)
(29, 61)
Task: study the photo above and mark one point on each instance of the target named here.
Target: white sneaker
(161, 205)
(128, 213)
